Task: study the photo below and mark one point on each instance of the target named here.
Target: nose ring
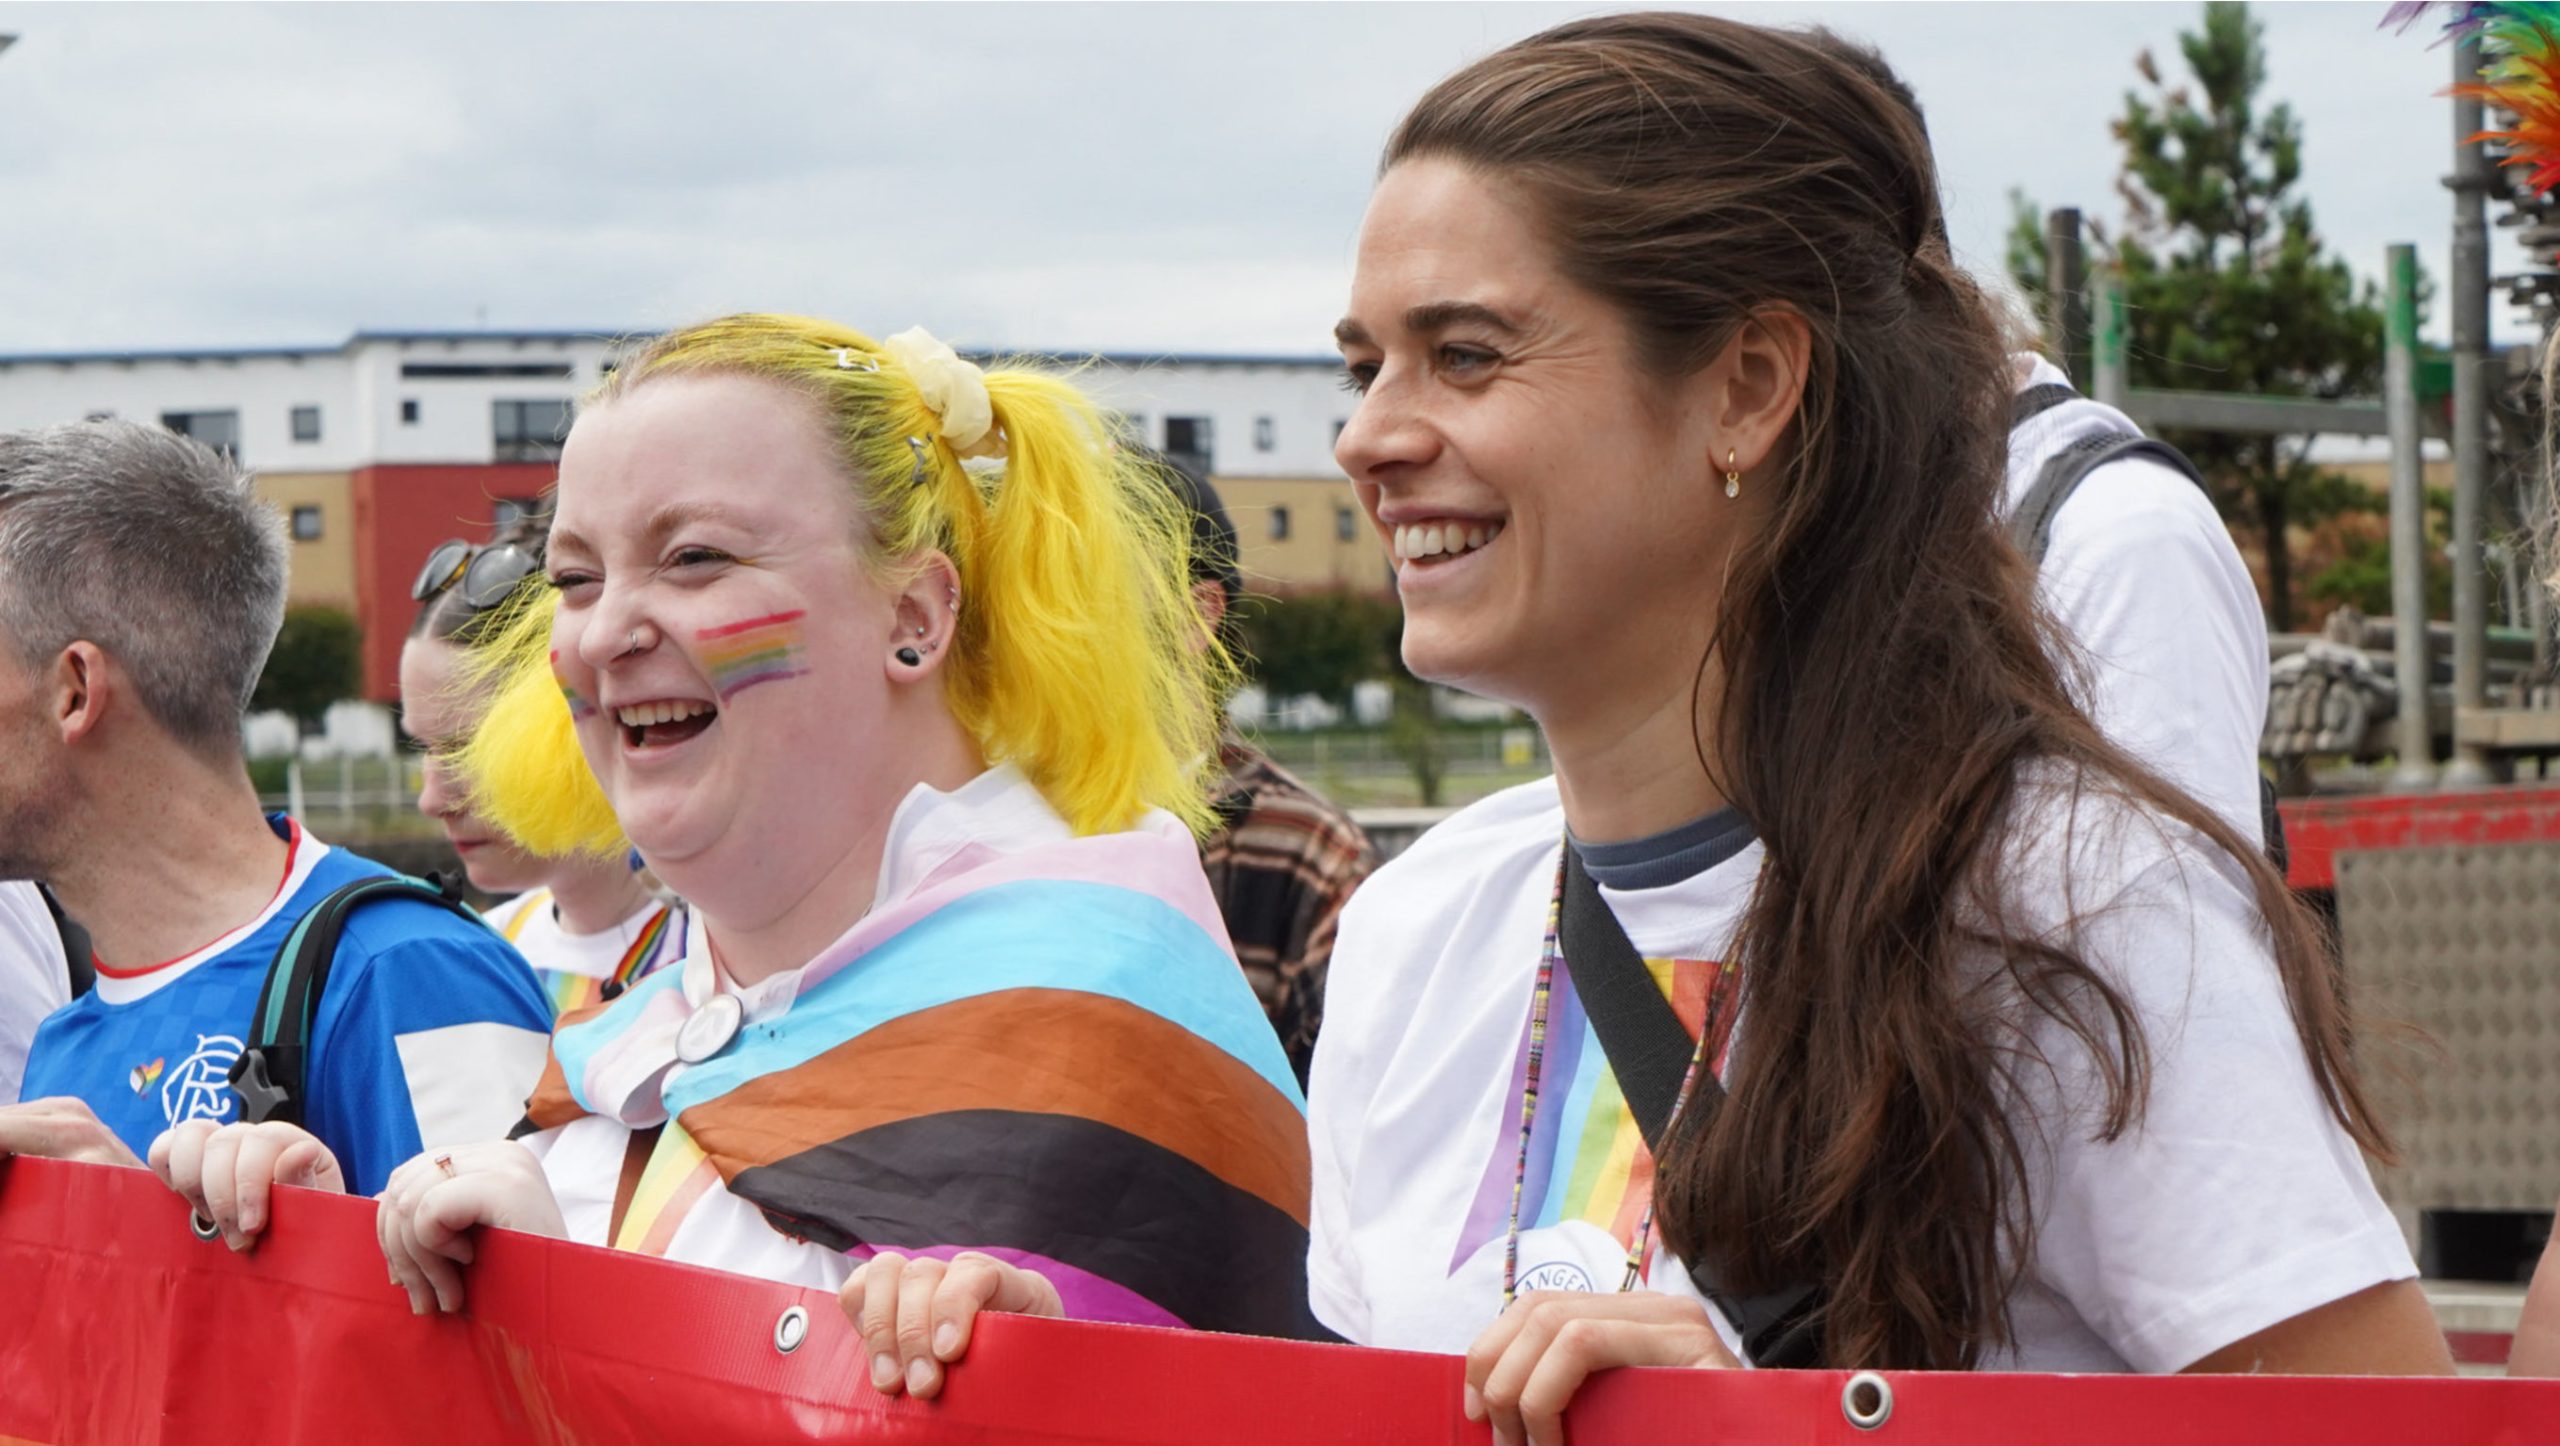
(631, 644)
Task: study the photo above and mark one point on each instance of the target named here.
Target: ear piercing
(1732, 472)
(910, 655)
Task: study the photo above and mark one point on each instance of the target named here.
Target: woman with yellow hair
(888, 667)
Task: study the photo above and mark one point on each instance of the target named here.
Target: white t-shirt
(33, 981)
(530, 923)
(2143, 573)
(2238, 1203)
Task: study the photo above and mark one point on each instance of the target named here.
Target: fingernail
(237, 1241)
(1472, 1403)
(946, 1339)
(919, 1377)
(884, 1371)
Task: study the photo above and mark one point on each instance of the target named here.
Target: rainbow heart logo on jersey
(145, 1076)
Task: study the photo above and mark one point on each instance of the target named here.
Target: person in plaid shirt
(1285, 858)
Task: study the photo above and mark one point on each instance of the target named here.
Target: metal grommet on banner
(791, 1330)
(1867, 1400)
(202, 1228)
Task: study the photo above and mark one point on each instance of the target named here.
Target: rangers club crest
(199, 1087)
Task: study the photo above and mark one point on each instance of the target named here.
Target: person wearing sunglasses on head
(141, 586)
(589, 926)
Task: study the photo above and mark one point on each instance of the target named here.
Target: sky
(1153, 178)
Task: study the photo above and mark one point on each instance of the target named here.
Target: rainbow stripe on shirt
(677, 1175)
(742, 655)
(1587, 1156)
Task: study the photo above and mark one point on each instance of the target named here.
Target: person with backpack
(2167, 638)
(2163, 640)
(240, 963)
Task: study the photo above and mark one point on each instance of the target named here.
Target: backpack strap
(272, 1075)
(2031, 527)
(2037, 400)
(2031, 524)
(79, 955)
(1649, 1051)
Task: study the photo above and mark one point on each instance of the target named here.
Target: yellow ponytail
(523, 764)
(1081, 656)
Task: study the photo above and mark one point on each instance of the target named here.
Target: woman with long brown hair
(1995, 1049)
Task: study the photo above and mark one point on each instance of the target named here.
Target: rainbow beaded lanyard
(1548, 958)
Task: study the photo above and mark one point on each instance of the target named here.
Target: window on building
(530, 431)
(512, 510)
(1189, 440)
(306, 424)
(1265, 435)
(464, 371)
(408, 411)
(306, 522)
(1346, 525)
(218, 430)
(1279, 524)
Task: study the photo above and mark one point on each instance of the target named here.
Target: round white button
(710, 1029)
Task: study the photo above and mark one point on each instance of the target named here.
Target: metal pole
(2066, 301)
(2472, 178)
(2110, 358)
(2412, 737)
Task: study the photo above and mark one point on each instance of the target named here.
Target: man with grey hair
(141, 586)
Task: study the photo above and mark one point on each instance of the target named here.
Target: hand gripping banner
(118, 1325)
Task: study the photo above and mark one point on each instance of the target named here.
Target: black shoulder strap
(1648, 1047)
(2037, 400)
(272, 1074)
(2031, 525)
(1649, 1052)
(79, 956)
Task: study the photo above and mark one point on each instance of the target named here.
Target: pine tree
(2228, 285)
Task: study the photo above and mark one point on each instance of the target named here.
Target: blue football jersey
(431, 1030)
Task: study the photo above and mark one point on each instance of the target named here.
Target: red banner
(118, 1326)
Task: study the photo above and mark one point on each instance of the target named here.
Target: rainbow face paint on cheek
(759, 650)
(580, 710)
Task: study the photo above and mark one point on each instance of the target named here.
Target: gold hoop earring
(1732, 473)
